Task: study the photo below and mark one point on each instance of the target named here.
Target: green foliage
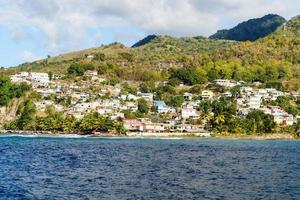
(26, 119)
(99, 57)
(176, 101)
(129, 89)
(146, 87)
(78, 69)
(275, 84)
(8, 91)
(94, 122)
(259, 122)
(143, 106)
(189, 76)
(289, 104)
(252, 29)
(196, 89)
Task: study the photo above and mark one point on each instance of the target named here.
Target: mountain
(144, 41)
(252, 29)
(272, 58)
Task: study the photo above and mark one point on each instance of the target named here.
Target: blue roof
(160, 103)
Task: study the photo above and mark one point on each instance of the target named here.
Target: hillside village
(165, 84)
(94, 95)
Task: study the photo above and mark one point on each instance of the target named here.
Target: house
(281, 117)
(154, 127)
(263, 93)
(20, 77)
(110, 103)
(133, 124)
(147, 96)
(226, 83)
(207, 94)
(161, 107)
(130, 106)
(187, 113)
(246, 90)
(117, 115)
(188, 96)
(90, 56)
(57, 76)
(254, 102)
(90, 73)
(39, 79)
(104, 111)
(189, 128)
(227, 94)
(129, 97)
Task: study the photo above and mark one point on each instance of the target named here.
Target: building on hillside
(227, 94)
(226, 83)
(281, 117)
(161, 107)
(130, 106)
(207, 94)
(187, 96)
(104, 111)
(39, 79)
(147, 96)
(189, 128)
(189, 113)
(91, 73)
(254, 102)
(129, 97)
(154, 127)
(133, 125)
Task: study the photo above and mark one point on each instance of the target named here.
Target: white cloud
(65, 23)
(29, 56)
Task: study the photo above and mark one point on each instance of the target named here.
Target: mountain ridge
(252, 29)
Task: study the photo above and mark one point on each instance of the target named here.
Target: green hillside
(275, 57)
(251, 30)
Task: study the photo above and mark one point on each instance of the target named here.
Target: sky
(34, 29)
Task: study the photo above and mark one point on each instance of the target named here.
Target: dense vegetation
(251, 30)
(59, 122)
(8, 91)
(273, 58)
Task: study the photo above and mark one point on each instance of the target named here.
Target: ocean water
(82, 168)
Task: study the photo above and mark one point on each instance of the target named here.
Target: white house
(254, 102)
(91, 73)
(187, 113)
(39, 79)
(207, 94)
(147, 96)
(226, 83)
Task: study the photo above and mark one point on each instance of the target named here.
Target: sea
(125, 168)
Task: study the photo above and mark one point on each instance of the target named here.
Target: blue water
(56, 168)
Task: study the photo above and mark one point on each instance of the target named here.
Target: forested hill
(252, 29)
(144, 41)
(275, 57)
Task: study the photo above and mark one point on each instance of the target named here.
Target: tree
(26, 119)
(5, 90)
(177, 101)
(143, 106)
(76, 69)
(259, 122)
(205, 106)
(8, 90)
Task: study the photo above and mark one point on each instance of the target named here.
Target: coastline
(271, 136)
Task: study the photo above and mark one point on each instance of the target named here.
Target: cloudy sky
(33, 29)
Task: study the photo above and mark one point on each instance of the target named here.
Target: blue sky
(33, 29)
